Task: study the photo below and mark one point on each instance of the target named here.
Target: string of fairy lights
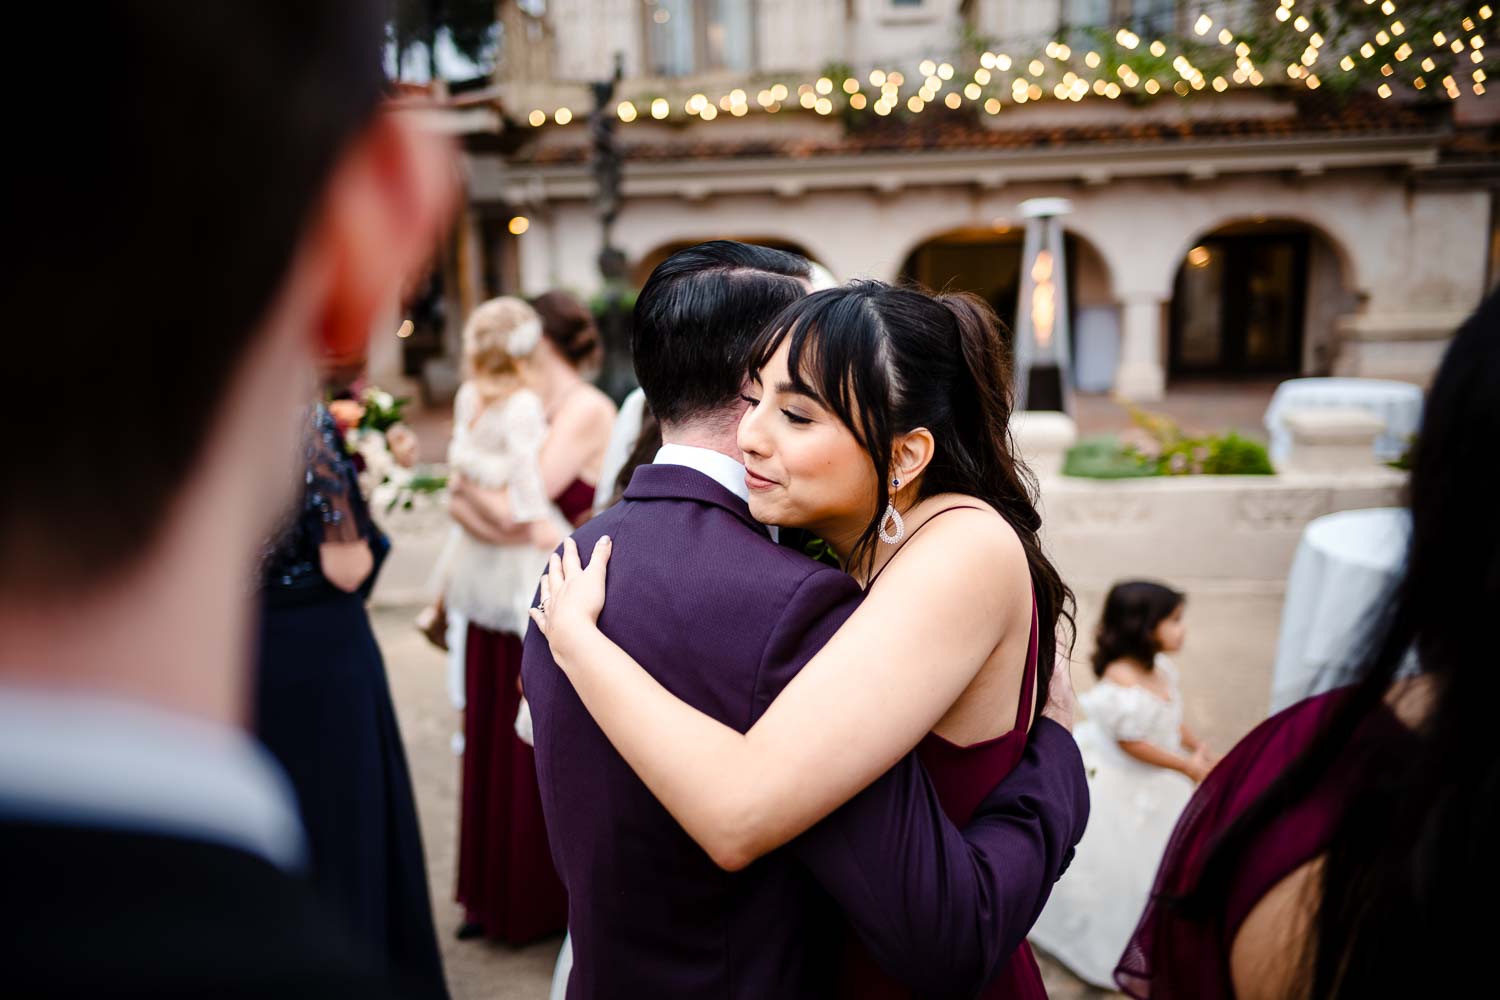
(1062, 73)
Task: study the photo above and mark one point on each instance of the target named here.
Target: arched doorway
(987, 262)
(1257, 298)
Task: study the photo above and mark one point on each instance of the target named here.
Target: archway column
(1142, 375)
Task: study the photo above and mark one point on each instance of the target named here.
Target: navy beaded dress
(324, 709)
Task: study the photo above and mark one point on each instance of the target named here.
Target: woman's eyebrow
(797, 389)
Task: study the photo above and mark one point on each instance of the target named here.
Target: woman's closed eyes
(792, 417)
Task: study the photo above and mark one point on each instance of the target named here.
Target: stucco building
(1268, 228)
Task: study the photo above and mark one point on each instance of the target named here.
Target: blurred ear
(387, 205)
(911, 453)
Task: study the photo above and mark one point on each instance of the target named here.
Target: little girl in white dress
(1142, 763)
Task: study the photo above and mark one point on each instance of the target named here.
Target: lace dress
(1095, 905)
(497, 446)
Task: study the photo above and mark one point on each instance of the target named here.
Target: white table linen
(1345, 564)
(1399, 404)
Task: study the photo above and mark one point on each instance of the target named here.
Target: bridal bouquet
(384, 448)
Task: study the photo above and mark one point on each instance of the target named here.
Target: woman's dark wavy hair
(1410, 868)
(1127, 627)
(887, 360)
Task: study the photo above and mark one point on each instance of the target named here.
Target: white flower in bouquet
(379, 465)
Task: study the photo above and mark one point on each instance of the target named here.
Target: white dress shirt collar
(87, 760)
(715, 465)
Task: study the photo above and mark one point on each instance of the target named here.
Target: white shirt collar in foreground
(121, 765)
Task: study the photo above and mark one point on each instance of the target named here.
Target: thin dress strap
(914, 535)
(1028, 677)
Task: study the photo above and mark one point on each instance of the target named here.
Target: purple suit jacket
(724, 618)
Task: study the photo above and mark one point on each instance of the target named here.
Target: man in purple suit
(724, 618)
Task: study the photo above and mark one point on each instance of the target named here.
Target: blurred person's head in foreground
(243, 205)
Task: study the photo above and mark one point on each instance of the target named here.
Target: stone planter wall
(1227, 541)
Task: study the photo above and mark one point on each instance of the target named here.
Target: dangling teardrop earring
(893, 515)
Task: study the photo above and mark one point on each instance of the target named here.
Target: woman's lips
(756, 482)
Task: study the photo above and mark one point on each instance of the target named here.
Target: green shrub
(1215, 455)
(1105, 458)
(1172, 454)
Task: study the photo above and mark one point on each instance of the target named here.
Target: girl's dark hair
(887, 360)
(1412, 853)
(1127, 628)
(569, 325)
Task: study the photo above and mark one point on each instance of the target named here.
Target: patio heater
(1043, 367)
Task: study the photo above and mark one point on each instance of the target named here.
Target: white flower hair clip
(523, 339)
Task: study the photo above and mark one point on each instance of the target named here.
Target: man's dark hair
(158, 181)
(697, 317)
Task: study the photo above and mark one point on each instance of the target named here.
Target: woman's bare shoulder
(957, 516)
(587, 412)
(592, 400)
(977, 549)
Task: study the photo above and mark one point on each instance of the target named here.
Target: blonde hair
(488, 337)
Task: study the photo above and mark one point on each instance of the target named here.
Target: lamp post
(1043, 362)
(617, 377)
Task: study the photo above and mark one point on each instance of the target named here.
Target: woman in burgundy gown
(506, 881)
(878, 420)
(1342, 848)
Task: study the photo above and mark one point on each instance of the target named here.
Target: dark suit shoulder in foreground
(93, 912)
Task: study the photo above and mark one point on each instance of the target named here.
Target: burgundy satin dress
(1173, 955)
(963, 776)
(506, 881)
